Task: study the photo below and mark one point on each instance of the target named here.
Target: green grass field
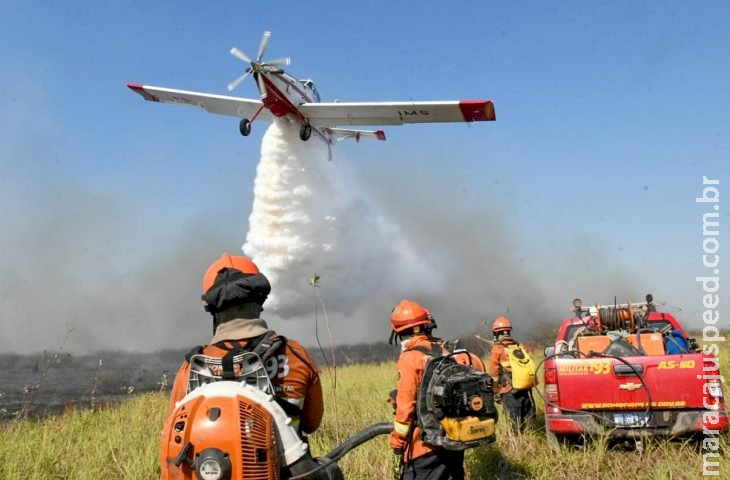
(123, 442)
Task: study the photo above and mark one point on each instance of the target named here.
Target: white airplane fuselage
(285, 93)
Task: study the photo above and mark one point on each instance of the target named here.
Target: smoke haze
(411, 238)
(78, 263)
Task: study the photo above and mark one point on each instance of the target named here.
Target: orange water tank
(652, 343)
(593, 343)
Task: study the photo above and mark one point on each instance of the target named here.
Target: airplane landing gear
(305, 131)
(245, 127)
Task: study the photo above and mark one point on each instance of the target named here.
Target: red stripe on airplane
(477, 110)
(140, 89)
(278, 103)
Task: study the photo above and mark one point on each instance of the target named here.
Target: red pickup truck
(628, 371)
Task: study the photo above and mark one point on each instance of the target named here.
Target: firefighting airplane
(283, 95)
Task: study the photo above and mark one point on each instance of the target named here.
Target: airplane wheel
(245, 127)
(305, 131)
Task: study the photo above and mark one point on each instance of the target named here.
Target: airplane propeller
(239, 54)
(238, 81)
(264, 43)
(257, 66)
(262, 86)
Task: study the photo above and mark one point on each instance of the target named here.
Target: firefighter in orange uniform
(518, 405)
(234, 292)
(412, 324)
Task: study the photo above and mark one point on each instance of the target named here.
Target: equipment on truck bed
(597, 327)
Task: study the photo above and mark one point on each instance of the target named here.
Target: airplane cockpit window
(310, 85)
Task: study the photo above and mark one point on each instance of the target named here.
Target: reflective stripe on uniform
(400, 428)
(296, 401)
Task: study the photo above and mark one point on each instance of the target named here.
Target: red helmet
(408, 314)
(237, 262)
(501, 324)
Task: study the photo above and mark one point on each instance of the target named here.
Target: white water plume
(305, 220)
(420, 241)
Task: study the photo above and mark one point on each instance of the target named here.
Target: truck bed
(651, 394)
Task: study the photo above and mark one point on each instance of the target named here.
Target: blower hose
(359, 438)
(366, 434)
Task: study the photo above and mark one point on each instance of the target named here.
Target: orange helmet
(501, 324)
(237, 262)
(408, 314)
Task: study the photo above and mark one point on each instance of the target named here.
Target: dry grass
(123, 442)
(108, 443)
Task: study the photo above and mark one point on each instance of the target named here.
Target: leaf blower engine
(235, 429)
(455, 405)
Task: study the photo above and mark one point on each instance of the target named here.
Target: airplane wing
(233, 106)
(396, 113)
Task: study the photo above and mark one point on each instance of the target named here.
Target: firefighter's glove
(391, 399)
(397, 466)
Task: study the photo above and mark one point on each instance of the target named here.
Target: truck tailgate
(674, 382)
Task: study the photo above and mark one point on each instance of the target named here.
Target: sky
(608, 116)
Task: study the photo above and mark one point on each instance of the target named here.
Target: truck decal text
(587, 368)
(632, 405)
(669, 364)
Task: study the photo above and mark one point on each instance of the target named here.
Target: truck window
(572, 330)
(659, 324)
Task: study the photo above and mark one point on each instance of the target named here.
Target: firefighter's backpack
(454, 403)
(244, 363)
(523, 368)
